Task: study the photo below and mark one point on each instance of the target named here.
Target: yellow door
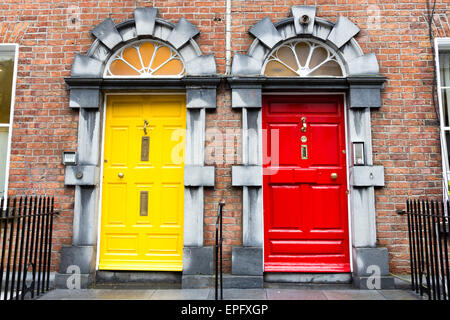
(143, 189)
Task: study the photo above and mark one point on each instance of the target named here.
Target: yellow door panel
(143, 201)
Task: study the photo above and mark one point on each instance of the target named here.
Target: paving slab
(293, 294)
(97, 294)
(242, 294)
(399, 295)
(353, 295)
(180, 294)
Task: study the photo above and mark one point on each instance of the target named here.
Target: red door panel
(305, 184)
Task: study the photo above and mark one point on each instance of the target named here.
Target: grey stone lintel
(85, 98)
(249, 176)
(199, 176)
(198, 97)
(249, 97)
(364, 96)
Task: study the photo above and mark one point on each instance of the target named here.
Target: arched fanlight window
(303, 58)
(145, 59)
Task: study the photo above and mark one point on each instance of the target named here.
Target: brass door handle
(120, 175)
(334, 175)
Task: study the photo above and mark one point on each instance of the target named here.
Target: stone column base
(247, 261)
(198, 260)
(371, 269)
(77, 267)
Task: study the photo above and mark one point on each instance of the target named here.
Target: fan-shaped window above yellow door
(303, 58)
(145, 59)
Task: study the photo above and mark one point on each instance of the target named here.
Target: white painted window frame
(439, 45)
(10, 47)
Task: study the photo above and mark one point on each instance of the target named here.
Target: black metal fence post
(428, 247)
(26, 233)
(218, 256)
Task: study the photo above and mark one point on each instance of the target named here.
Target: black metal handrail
(26, 233)
(428, 247)
(218, 257)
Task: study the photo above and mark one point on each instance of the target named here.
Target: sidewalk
(229, 294)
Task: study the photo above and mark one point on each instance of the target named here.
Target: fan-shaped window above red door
(303, 58)
(145, 59)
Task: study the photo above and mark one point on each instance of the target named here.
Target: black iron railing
(26, 232)
(428, 247)
(218, 257)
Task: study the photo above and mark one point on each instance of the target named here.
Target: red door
(305, 184)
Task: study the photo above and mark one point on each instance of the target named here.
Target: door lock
(120, 175)
(304, 124)
(334, 176)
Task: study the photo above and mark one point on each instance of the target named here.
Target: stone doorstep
(177, 280)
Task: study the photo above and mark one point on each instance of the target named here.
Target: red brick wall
(405, 131)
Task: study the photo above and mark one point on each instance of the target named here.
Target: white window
(442, 52)
(8, 70)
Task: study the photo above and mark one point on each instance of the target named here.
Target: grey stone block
(107, 33)
(308, 278)
(182, 33)
(246, 176)
(298, 12)
(364, 283)
(85, 98)
(364, 97)
(198, 260)
(245, 65)
(86, 67)
(367, 176)
(201, 66)
(81, 256)
(196, 176)
(365, 64)
(247, 261)
(342, 32)
(127, 33)
(266, 32)
(144, 19)
(190, 281)
(246, 98)
(243, 282)
(229, 281)
(124, 277)
(201, 98)
(368, 260)
(81, 175)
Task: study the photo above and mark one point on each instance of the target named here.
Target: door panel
(142, 211)
(305, 199)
